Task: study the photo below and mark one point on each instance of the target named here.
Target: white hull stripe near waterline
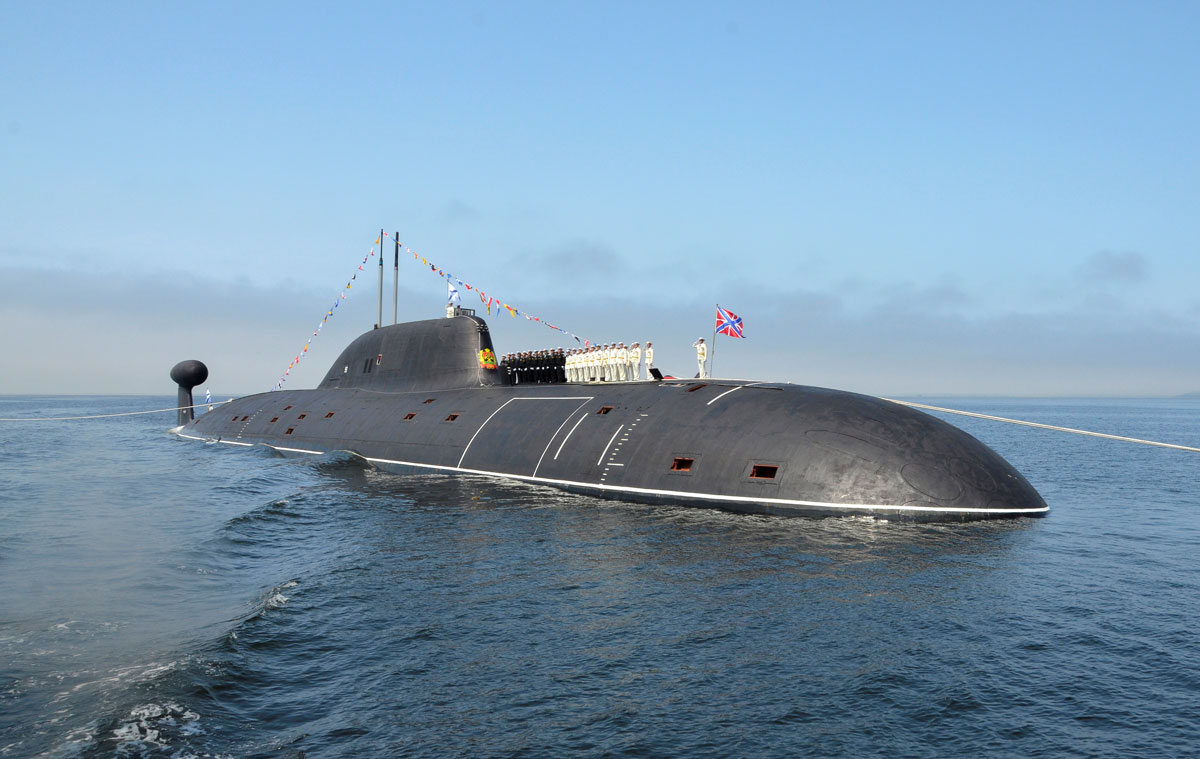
(680, 494)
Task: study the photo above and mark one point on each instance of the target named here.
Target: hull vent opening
(763, 472)
(290, 430)
(451, 418)
(302, 416)
(604, 409)
(273, 420)
(330, 414)
(681, 464)
(409, 417)
(429, 400)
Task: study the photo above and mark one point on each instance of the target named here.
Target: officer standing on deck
(635, 362)
(649, 359)
(701, 355)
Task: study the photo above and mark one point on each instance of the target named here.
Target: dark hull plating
(741, 446)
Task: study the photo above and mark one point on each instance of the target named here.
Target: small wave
(152, 726)
(275, 598)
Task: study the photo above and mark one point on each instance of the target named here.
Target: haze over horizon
(923, 199)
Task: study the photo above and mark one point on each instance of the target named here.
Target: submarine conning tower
(435, 354)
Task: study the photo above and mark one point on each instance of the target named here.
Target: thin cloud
(573, 259)
(1109, 267)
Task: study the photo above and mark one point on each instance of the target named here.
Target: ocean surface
(167, 598)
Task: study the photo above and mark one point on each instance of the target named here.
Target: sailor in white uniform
(635, 362)
(622, 356)
(649, 359)
(701, 355)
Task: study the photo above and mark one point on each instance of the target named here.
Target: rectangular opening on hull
(451, 418)
(409, 417)
(244, 418)
(331, 413)
(428, 400)
(290, 430)
(302, 416)
(682, 464)
(287, 408)
(604, 409)
(273, 420)
(763, 472)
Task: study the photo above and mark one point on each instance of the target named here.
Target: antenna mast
(379, 321)
(396, 279)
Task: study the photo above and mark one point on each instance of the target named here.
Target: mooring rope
(106, 416)
(1044, 426)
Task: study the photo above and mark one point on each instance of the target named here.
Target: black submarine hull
(396, 398)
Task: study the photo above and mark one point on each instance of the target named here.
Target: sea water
(168, 598)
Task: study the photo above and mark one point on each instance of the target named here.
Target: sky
(924, 198)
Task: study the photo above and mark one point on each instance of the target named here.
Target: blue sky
(939, 198)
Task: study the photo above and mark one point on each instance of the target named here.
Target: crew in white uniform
(701, 355)
(635, 362)
(622, 354)
(649, 359)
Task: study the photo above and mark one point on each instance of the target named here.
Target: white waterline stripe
(294, 450)
(609, 444)
(680, 493)
(708, 496)
(1044, 426)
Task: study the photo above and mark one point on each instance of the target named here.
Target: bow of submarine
(796, 450)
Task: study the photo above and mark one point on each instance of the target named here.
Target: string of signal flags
(487, 300)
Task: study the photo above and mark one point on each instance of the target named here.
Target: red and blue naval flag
(728, 323)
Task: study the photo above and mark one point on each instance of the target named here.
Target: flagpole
(395, 278)
(379, 321)
(713, 359)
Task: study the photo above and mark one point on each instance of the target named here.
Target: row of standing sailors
(598, 363)
(609, 363)
(535, 367)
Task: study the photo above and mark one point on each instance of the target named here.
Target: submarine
(429, 397)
